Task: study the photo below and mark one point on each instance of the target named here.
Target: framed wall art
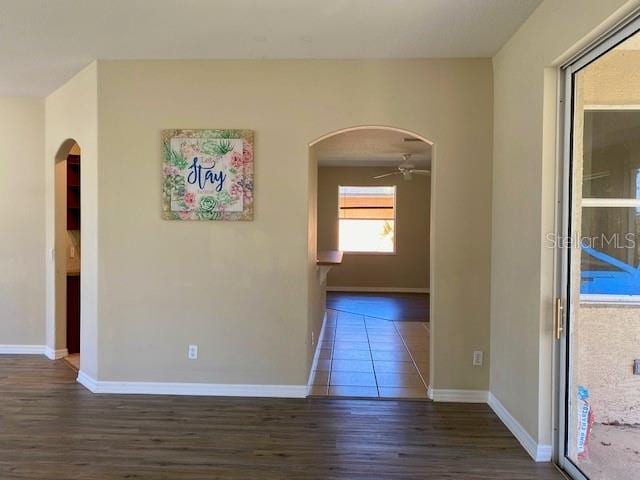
(207, 174)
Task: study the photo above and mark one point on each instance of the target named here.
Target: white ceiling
(43, 43)
(371, 148)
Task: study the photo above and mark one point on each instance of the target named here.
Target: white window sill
(613, 300)
(347, 252)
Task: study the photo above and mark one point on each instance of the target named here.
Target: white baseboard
(87, 382)
(539, 452)
(52, 354)
(194, 389)
(22, 349)
(458, 396)
(316, 354)
(378, 289)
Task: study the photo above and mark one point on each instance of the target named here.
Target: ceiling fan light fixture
(405, 169)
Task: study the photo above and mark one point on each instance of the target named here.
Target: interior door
(598, 312)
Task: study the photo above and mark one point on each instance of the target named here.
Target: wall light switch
(192, 352)
(72, 252)
(636, 367)
(477, 358)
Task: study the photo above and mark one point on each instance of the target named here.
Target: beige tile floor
(370, 357)
(73, 360)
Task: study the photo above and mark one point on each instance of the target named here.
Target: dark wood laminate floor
(52, 428)
(399, 307)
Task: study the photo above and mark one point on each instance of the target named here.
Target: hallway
(406, 307)
(372, 357)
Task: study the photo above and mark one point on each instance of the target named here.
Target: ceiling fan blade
(422, 172)
(387, 175)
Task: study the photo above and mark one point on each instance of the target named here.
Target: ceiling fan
(406, 169)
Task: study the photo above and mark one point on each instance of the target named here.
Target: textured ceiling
(43, 43)
(371, 148)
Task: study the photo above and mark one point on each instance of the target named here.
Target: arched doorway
(67, 252)
(371, 200)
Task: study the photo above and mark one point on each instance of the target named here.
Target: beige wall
(409, 266)
(245, 292)
(524, 158)
(72, 113)
(22, 251)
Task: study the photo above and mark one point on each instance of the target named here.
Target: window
(366, 219)
(610, 209)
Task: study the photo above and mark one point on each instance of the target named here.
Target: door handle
(558, 319)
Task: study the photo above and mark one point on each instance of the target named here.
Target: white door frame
(616, 35)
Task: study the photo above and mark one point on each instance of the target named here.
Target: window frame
(599, 298)
(395, 222)
(563, 288)
(609, 202)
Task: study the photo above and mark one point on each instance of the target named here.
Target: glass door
(600, 344)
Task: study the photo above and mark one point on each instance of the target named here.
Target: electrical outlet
(193, 352)
(477, 358)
